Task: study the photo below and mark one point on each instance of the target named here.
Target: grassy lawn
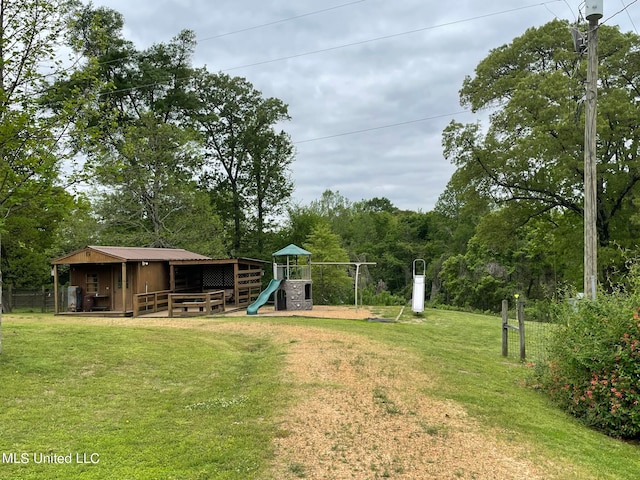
(152, 403)
(166, 403)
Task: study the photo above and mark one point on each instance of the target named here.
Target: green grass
(163, 403)
(152, 403)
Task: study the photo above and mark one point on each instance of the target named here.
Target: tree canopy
(528, 162)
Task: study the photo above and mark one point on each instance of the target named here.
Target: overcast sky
(370, 84)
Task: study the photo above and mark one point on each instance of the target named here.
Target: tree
(143, 157)
(331, 284)
(247, 160)
(31, 135)
(529, 160)
(154, 200)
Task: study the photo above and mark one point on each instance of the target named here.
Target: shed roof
(98, 254)
(291, 250)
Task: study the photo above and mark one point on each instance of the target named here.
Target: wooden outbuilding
(130, 281)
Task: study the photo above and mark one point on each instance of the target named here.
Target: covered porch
(132, 281)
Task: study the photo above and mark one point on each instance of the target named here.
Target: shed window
(92, 283)
(120, 280)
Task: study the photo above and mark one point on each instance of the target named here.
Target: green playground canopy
(291, 250)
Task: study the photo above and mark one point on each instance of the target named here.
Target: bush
(593, 368)
(384, 298)
(538, 311)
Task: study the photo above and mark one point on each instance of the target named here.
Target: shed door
(118, 285)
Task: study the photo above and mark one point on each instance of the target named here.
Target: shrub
(538, 311)
(593, 367)
(384, 298)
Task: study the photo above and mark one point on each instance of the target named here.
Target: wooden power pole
(593, 14)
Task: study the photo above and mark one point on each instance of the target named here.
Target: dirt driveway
(361, 413)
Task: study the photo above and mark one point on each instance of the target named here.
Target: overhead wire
(629, 15)
(626, 8)
(361, 42)
(234, 32)
(284, 20)
(381, 127)
(385, 37)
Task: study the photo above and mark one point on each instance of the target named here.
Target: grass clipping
(362, 413)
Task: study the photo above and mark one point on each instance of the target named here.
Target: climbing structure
(292, 266)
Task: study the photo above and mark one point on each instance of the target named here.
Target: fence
(32, 299)
(525, 340)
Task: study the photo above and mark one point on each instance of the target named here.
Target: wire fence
(522, 339)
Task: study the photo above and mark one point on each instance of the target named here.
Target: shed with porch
(126, 281)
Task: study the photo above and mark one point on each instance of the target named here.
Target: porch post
(124, 287)
(236, 283)
(55, 289)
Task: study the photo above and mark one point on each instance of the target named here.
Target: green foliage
(526, 165)
(331, 284)
(246, 160)
(478, 279)
(380, 297)
(33, 147)
(593, 370)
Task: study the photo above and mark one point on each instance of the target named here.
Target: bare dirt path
(361, 413)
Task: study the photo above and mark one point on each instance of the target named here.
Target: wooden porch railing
(183, 304)
(248, 286)
(150, 302)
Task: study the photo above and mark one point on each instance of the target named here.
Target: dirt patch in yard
(362, 413)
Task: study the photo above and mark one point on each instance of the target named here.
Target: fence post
(505, 328)
(521, 330)
(9, 299)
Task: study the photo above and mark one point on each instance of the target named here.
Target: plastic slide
(417, 299)
(418, 294)
(263, 297)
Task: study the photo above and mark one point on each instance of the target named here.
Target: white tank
(593, 9)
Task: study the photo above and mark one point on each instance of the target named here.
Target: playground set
(292, 283)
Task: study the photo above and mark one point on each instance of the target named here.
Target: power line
(386, 37)
(354, 44)
(275, 22)
(361, 42)
(381, 127)
(626, 8)
(629, 15)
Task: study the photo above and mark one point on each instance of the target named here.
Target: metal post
(505, 328)
(520, 309)
(590, 171)
(357, 279)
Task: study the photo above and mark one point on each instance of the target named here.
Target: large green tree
(529, 159)
(246, 158)
(32, 135)
(331, 283)
(143, 158)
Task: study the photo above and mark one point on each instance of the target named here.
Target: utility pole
(593, 14)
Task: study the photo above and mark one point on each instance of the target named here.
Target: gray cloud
(414, 73)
